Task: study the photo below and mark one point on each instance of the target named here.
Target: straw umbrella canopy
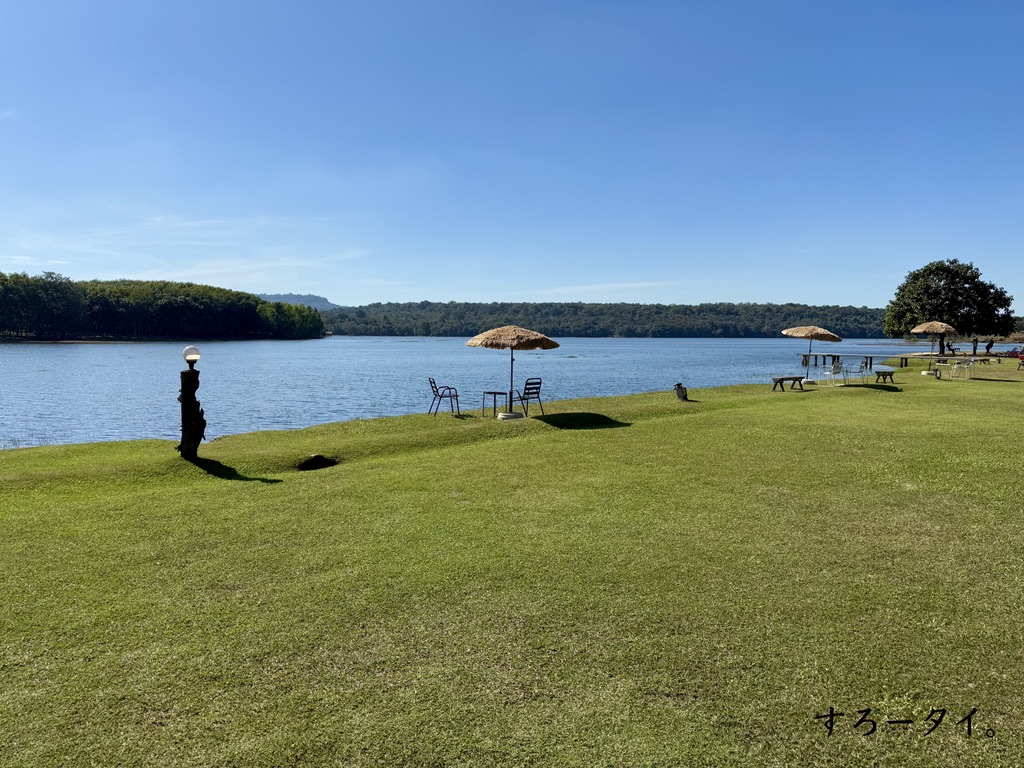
(936, 328)
(812, 333)
(511, 337)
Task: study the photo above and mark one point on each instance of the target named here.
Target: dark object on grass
(780, 381)
(193, 420)
(680, 391)
(316, 461)
(531, 391)
(451, 394)
(581, 421)
(224, 472)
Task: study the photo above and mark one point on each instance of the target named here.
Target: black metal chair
(451, 394)
(531, 391)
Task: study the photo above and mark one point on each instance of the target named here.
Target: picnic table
(780, 381)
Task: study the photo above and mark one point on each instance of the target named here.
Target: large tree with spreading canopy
(951, 292)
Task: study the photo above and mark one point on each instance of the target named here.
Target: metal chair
(451, 394)
(961, 370)
(860, 372)
(833, 373)
(531, 391)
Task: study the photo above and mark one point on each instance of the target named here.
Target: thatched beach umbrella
(936, 327)
(812, 333)
(511, 337)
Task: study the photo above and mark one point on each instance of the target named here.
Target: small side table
(883, 375)
(494, 403)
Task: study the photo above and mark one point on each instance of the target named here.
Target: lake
(75, 393)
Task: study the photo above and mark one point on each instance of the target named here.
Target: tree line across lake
(427, 318)
(51, 307)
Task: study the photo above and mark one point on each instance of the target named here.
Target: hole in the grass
(316, 461)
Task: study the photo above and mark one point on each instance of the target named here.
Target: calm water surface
(75, 393)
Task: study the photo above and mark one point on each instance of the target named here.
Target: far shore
(1015, 338)
(154, 340)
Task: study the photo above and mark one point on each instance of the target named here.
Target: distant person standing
(988, 347)
(974, 344)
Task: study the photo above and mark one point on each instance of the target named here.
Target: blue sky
(639, 151)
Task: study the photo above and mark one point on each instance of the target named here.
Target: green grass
(631, 581)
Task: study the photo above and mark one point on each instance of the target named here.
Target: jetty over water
(869, 360)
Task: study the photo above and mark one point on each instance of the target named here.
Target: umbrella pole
(509, 413)
(511, 377)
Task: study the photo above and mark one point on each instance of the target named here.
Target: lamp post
(193, 422)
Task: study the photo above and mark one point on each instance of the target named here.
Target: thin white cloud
(167, 222)
(351, 254)
(224, 267)
(266, 272)
(167, 228)
(174, 246)
(48, 243)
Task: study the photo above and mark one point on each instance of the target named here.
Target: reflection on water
(72, 393)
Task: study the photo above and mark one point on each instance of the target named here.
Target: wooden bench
(780, 381)
(884, 376)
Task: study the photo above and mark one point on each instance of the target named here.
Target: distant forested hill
(51, 306)
(305, 300)
(427, 318)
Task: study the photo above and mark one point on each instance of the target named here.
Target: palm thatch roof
(934, 326)
(812, 332)
(512, 337)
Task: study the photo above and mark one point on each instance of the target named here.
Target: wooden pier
(869, 360)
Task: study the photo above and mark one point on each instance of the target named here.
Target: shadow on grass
(879, 387)
(581, 421)
(224, 472)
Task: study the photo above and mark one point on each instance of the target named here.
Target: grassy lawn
(630, 581)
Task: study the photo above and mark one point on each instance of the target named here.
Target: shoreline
(65, 394)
